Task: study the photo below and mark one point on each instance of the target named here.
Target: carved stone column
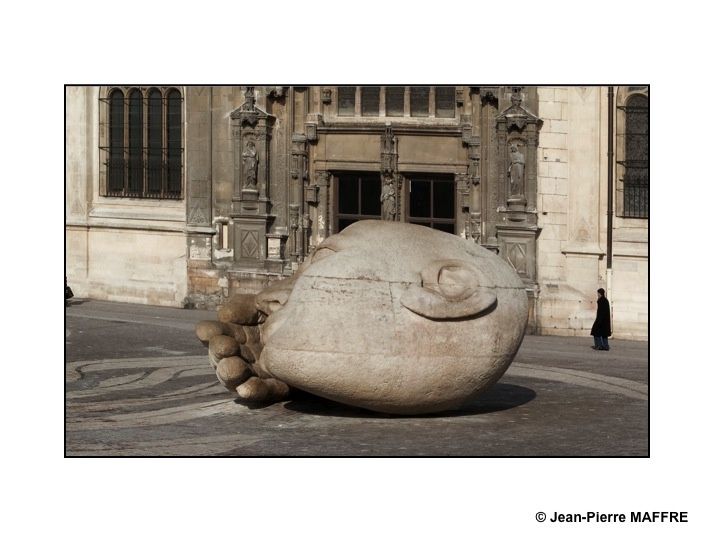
(462, 198)
(251, 132)
(298, 176)
(390, 182)
(322, 181)
(489, 109)
(475, 187)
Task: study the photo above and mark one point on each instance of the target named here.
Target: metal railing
(150, 177)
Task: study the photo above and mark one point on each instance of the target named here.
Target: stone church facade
(183, 196)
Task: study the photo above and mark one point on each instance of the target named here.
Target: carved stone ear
(450, 289)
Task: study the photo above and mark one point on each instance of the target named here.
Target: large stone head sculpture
(386, 316)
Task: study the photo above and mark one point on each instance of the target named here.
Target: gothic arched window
(116, 159)
(135, 143)
(144, 143)
(636, 159)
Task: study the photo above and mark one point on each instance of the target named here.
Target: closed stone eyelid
(449, 289)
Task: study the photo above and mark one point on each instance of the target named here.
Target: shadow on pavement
(499, 398)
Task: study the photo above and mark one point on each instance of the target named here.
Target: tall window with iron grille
(143, 147)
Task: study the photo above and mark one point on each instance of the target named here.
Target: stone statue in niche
(250, 162)
(516, 170)
(387, 199)
(391, 317)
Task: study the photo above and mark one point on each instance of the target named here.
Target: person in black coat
(68, 292)
(601, 327)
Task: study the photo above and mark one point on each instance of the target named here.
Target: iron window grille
(143, 151)
(636, 178)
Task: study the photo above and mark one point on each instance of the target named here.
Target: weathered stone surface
(390, 317)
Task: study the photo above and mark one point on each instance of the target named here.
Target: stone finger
(223, 346)
(254, 389)
(278, 390)
(206, 330)
(240, 310)
(237, 331)
(214, 360)
(232, 372)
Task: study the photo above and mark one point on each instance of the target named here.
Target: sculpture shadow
(499, 398)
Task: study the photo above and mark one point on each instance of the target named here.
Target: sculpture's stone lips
(391, 317)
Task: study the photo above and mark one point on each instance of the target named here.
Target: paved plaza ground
(138, 383)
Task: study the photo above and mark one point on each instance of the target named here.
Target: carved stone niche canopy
(251, 132)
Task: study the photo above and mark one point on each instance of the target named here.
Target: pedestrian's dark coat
(601, 326)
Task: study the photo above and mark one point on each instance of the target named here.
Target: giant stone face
(390, 317)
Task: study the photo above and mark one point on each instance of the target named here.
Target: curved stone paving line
(625, 387)
(199, 390)
(166, 369)
(202, 445)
